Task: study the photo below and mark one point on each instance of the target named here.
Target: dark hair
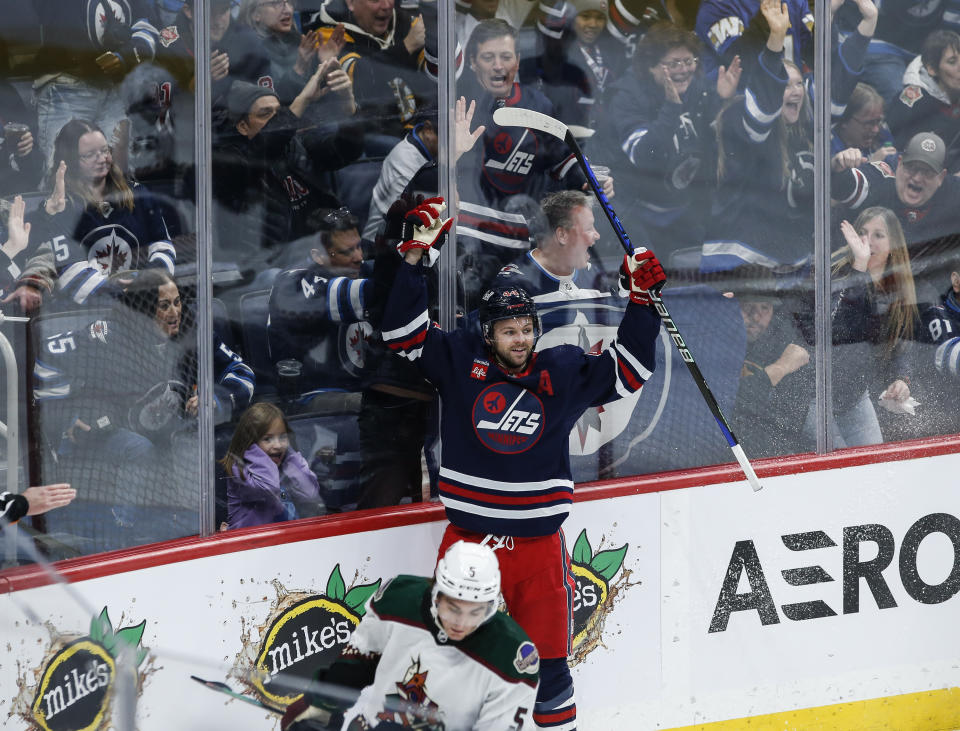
(936, 44)
(861, 96)
(67, 148)
(487, 30)
(659, 41)
(252, 425)
(558, 207)
(143, 294)
(327, 220)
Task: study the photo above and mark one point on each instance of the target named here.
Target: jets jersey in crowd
(721, 25)
(76, 32)
(505, 463)
(112, 372)
(319, 318)
(941, 329)
(83, 245)
(763, 209)
(416, 677)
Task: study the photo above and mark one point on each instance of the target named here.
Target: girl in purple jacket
(267, 481)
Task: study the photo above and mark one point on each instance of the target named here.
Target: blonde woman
(874, 317)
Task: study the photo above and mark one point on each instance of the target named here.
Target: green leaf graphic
(142, 653)
(607, 563)
(100, 627)
(131, 635)
(357, 597)
(582, 552)
(336, 588)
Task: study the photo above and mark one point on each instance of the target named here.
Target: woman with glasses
(96, 225)
(863, 126)
(930, 100)
(667, 156)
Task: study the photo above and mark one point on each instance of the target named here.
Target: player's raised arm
(406, 320)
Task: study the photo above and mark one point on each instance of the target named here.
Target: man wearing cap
(263, 196)
(920, 192)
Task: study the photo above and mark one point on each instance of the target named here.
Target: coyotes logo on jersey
(410, 706)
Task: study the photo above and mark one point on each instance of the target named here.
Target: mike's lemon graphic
(596, 594)
(74, 690)
(305, 631)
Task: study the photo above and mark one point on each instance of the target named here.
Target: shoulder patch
(99, 331)
(911, 94)
(169, 35)
(884, 169)
(528, 659)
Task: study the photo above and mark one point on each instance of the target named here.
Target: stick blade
(517, 117)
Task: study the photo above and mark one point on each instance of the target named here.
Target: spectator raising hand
(18, 232)
(465, 139)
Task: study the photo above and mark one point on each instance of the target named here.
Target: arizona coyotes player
(507, 412)
(434, 655)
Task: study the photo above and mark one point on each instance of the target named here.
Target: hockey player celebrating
(506, 415)
(434, 655)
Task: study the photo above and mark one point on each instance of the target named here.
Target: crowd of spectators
(326, 128)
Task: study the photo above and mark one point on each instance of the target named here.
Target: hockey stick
(224, 688)
(517, 117)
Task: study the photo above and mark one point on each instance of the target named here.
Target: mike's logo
(508, 419)
(304, 632)
(76, 687)
(596, 593)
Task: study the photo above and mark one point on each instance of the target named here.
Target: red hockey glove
(641, 273)
(428, 228)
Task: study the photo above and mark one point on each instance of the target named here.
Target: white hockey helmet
(470, 572)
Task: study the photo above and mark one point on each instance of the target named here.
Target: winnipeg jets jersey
(573, 312)
(505, 466)
(485, 682)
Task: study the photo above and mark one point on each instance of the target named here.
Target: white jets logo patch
(111, 249)
(723, 30)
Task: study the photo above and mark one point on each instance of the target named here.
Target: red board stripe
(247, 539)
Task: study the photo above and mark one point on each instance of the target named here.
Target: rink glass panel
(326, 393)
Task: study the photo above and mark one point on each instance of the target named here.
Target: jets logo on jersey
(723, 30)
(111, 249)
(509, 160)
(353, 346)
(508, 419)
(105, 16)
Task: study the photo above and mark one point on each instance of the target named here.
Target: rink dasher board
(657, 665)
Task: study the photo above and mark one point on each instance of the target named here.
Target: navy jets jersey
(319, 319)
(505, 464)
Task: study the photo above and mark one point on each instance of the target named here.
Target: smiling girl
(267, 480)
